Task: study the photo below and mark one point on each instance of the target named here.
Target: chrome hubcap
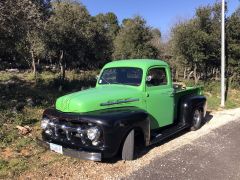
(196, 117)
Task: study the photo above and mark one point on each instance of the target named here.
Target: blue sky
(158, 13)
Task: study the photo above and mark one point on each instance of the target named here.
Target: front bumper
(93, 156)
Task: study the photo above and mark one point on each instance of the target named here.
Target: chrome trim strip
(119, 101)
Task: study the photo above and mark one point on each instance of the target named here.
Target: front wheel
(197, 119)
(128, 147)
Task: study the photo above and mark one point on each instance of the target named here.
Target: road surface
(213, 156)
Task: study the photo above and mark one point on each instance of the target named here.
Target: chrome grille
(66, 131)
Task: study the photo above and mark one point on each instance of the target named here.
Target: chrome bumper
(93, 156)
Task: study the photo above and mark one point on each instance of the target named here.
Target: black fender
(188, 104)
(115, 123)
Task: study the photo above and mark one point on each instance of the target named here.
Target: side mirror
(149, 78)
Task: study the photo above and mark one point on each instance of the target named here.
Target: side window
(156, 77)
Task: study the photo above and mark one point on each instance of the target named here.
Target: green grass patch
(212, 91)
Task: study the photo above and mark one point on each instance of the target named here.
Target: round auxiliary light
(44, 123)
(93, 133)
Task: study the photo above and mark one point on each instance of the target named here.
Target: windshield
(121, 75)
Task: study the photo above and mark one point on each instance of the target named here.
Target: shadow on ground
(143, 151)
(16, 91)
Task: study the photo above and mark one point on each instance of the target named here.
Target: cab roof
(140, 63)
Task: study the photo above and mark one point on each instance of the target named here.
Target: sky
(161, 14)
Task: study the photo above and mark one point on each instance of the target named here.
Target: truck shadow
(143, 151)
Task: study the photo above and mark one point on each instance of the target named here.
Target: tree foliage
(233, 45)
(21, 25)
(134, 40)
(62, 33)
(196, 43)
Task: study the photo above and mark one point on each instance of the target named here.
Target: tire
(197, 119)
(128, 147)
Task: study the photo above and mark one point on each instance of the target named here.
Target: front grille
(67, 132)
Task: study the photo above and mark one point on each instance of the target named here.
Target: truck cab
(133, 99)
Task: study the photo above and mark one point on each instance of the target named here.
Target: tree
(233, 46)
(108, 25)
(109, 21)
(134, 40)
(76, 39)
(156, 41)
(196, 43)
(21, 26)
(66, 33)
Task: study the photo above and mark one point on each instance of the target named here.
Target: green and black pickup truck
(134, 102)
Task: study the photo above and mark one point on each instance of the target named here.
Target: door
(159, 100)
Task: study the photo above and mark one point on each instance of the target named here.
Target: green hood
(101, 97)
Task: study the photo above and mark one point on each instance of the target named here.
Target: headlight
(44, 123)
(93, 133)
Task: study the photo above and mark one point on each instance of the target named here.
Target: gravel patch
(70, 168)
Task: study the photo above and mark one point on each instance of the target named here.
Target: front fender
(118, 122)
(115, 124)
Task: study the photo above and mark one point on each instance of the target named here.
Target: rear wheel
(197, 118)
(128, 147)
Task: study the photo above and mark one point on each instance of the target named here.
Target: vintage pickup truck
(134, 103)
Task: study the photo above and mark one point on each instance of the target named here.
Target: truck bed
(182, 92)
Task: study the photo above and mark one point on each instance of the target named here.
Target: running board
(156, 138)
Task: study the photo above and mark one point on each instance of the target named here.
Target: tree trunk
(216, 74)
(195, 72)
(34, 65)
(176, 74)
(189, 75)
(196, 77)
(212, 73)
(185, 73)
(205, 75)
(62, 65)
(232, 78)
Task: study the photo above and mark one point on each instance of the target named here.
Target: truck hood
(101, 97)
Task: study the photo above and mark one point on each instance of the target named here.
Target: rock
(24, 130)
(30, 102)
(12, 70)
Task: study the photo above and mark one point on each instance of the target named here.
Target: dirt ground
(70, 168)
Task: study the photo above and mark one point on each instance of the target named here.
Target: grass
(212, 92)
(20, 153)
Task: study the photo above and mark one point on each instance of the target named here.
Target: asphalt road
(213, 156)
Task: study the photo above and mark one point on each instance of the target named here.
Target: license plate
(56, 148)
